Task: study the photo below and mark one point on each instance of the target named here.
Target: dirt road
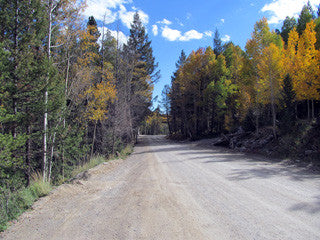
(167, 190)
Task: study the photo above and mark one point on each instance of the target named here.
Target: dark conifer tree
(140, 48)
(22, 80)
(139, 55)
(92, 27)
(217, 43)
(305, 16)
(175, 97)
(288, 112)
(288, 24)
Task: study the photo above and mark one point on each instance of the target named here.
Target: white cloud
(226, 38)
(165, 22)
(101, 8)
(280, 9)
(170, 34)
(107, 10)
(127, 16)
(190, 35)
(176, 35)
(208, 33)
(222, 20)
(122, 38)
(155, 30)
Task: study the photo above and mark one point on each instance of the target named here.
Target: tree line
(274, 82)
(67, 91)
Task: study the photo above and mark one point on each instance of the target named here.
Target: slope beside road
(168, 190)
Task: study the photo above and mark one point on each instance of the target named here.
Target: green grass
(14, 204)
(126, 151)
(95, 161)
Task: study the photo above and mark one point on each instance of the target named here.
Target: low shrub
(14, 204)
(95, 161)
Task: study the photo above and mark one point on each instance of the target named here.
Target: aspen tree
(306, 80)
(271, 74)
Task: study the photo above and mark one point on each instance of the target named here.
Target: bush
(126, 151)
(96, 160)
(14, 204)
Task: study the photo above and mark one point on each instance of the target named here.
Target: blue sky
(173, 25)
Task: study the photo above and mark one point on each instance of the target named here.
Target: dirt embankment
(301, 147)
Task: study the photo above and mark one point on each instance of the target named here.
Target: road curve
(168, 190)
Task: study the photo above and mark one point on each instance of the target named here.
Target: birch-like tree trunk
(45, 115)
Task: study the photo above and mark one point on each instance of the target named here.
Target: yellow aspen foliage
(270, 82)
(289, 57)
(99, 97)
(261, 38)
(190, 74)
(89, 46)
(271, 73)
(306, 77)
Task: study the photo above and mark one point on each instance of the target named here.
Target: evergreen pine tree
(288, 112)
(139, 54)
(288, 25)
(305, 16)
(22, 79)
(182, 59)
(175, 96)
(217, 43)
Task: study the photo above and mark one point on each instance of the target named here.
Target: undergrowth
(303, 138)
(14, 203)
(95, 161)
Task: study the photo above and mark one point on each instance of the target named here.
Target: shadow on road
(258, 166)
(309, 207)
(251, 166)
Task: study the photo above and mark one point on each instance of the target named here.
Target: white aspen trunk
(45, 125)
(45, 116)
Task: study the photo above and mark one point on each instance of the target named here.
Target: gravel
(169, 190)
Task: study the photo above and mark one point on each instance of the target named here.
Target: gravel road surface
(168, 190)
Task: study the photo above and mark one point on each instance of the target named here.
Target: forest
(271, 86)
(68, 93)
